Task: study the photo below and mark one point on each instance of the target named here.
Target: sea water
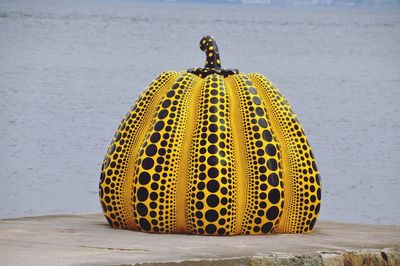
(70, 70)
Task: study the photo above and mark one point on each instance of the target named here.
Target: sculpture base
(88, 239)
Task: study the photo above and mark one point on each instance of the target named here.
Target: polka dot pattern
(156, 175)
(116, 181)
(301, 176)
(211, 153)
(264, 201)
(212, 193)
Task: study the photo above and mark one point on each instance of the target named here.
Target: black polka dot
(213, 118)
(213, 186)
(213, 172)
(201, 185)
(211, 215)
(312, 223)
(259, 143)
(144, 178)
(148, 163)
(109, 172)
(166, 103)
(213, 128)
(155, 137)
(163, 114)
(144, 224)
(252, 90)
(313, 198)
(266, 228)
(159, 126)
(171, 93)
(142, 194)
(151, 150)
(212, 200)
(213, 109)
(176, 85)
(199, 215)
(212, 160)
(111, 149)
(199, 205)
(272, 164)
(273, 179)
(162, 151)
(200, 195)
(259, 111)
(153, 196)
(274, 196)
(317, 209)
(156, 177)
(142, 209)
(262, 122)
(210, 229)
(272, 213)
(270, 150)
(262, 169)
(318, 179)
(256, 100)
(314, 166)
(107, 199)
(212, 138)
(267, 135)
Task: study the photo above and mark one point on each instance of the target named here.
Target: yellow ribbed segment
(117, 171)
(183, 174)
(212, 187)
(263, 191)
(156, 177)
(301, 176)
(239, 149)
(284, 223)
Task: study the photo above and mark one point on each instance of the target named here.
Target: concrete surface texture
(88, 240)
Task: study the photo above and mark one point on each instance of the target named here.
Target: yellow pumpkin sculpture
(210, 151)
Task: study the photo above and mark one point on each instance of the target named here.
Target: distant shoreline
(372, 3)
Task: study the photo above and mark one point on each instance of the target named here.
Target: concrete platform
(88, 240)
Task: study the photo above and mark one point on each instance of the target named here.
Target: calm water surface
(70, 70)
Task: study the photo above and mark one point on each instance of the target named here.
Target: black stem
(209, 46)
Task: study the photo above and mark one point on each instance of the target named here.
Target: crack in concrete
(119, 249)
